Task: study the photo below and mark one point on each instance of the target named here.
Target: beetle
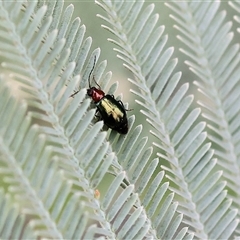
(112, 111)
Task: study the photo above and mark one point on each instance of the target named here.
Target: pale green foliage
(11, 222)
(54, 155)
(215, 60)
(181, 137)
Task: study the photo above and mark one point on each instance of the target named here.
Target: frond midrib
(29, 192)
(42, 96)
(142, 84)
(222, 119)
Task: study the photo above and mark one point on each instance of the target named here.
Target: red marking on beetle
(114, 116)
(95, 94)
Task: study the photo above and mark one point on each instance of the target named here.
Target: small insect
(112, 111)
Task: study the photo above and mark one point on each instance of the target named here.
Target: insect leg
(75, 92)
(124, 106)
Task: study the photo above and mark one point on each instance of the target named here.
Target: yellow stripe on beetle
(112, 109)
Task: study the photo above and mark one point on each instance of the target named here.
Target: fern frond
(12, 225)
(36, 162)
(236, 6)
(43, 80)
(42, 74)
(216, 63)
(44, 49)
(180, 137)
(29, 166)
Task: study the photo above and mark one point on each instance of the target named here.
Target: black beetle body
(113, 113)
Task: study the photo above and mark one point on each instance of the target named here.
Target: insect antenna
(93, 76)
(76, 92)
